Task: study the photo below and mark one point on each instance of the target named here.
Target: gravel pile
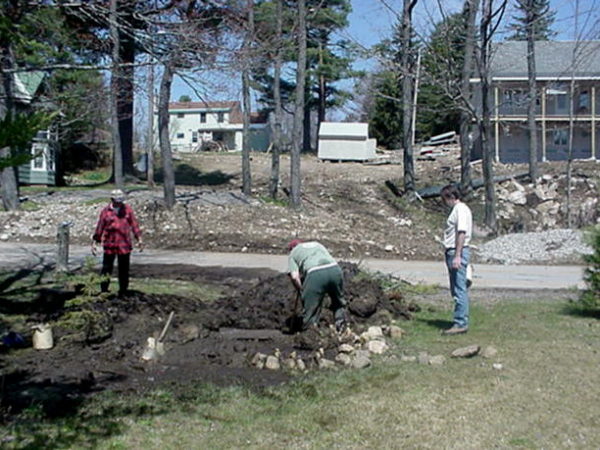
(552, 246)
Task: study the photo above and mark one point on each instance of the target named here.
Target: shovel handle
(166, 327)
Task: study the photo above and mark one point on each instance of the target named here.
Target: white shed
(345, 141)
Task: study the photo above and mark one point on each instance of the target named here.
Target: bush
(591, 296)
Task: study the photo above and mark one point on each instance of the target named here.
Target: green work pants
(314, 287)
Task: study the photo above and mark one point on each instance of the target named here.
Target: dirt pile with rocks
(100, 341)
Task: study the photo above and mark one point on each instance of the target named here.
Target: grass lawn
(545, 396)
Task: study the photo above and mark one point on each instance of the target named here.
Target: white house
(193, 125)
(345, 141)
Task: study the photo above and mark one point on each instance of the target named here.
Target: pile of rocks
(462, 352)
(354, 350)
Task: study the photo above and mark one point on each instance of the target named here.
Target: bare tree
(8, 179)
(278, 117)
(486, 30)
(150, 136)
(163, 133)
(407, 96)
(247, 47)
(114, 95)
(295, 180)
(466, 114)
(530, 22)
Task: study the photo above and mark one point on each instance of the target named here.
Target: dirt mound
(270, 303)
(99, 342)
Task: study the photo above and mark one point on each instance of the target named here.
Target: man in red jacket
(115, 226)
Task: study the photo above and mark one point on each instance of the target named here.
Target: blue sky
(371, 21)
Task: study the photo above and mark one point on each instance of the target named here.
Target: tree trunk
(150, 137)
(322, 86)
(531, 125)
(295, 181)
(407, 97)
(465, 90)
(125, 86)
(8, 176)
(246, 172)
(276, 150)
(307, 139)
(114, 96)
(163, 135)
(485, 122)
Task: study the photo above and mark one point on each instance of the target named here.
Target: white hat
(117, 195)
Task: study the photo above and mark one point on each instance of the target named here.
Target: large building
(195, 126)
(557, 64)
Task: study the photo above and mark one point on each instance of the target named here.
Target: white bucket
(42, 337)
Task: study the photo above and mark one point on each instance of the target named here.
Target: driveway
(18, 255)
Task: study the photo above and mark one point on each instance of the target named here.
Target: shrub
(590, 298)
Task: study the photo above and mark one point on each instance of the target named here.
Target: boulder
(258, 360)
(346, 348)
(325, 363)
(272, 363)
(377, 347)
(344, 359)
(437, 360)
(466, 352)
(423, 358)
(489, 352)
(360, 361)
(394, 332)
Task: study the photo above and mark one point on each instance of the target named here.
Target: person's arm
(459, 244)
(135, 229)
(98, 232)
(296, 281)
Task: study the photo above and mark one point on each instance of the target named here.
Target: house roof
(344, 130)
(553, 59)
(234, 108)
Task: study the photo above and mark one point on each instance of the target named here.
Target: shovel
(155, 347)
(294, 322)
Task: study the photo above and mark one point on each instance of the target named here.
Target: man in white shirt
(457, 236)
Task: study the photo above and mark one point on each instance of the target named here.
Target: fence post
(62, 238)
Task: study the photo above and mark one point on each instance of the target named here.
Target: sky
(371, 21)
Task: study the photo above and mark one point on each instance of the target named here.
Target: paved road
(431, 272)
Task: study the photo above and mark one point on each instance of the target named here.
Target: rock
(466, 352)
(300, 365)
(497, 366)
(377, 347)
(489, 352)
(517, 197)
(360, 361)
(423, 358)
(408, 358)
(372, 333)
(290, 363)
(343, 359)
(395, 332)
(437, 360)
(389, 248)
(363, 306)
(346, 348)
(549, 207)
(3, 237)
(258, 360)
(189, 333)
(325, 363)
(272, 363)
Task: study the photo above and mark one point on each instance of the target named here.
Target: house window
(194, 137)
(560, 137)
(584, 101)
(221, 117)
(202, 117)
(39, 161)
(561, 102)
(180, 135)
(180, 115)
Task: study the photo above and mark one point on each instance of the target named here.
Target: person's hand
(94, 249)
(456, 262)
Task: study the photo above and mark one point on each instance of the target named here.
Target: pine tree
(590, 298)
(544, 19)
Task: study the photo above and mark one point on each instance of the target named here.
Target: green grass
(544, 397)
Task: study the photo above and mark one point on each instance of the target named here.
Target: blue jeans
(458, 287)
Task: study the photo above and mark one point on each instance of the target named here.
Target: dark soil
(98, 345)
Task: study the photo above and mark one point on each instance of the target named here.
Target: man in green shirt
(314, 273)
